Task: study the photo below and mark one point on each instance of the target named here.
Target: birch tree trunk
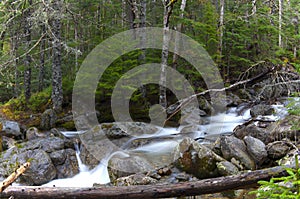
(222, 4)
(57, 92)
(179, 29)
(165, 52)
(27, 59)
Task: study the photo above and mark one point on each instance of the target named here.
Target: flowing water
(160, 149)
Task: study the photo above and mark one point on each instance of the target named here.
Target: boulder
(69, 167)
(261, 109)
(41, 168)
(254, 131)
(33, 133)
(196, 159)
(11, 129)
(48, 119)
(232, 147)
(226, 168)
(278, 149)
(125, 166)
(257, 149)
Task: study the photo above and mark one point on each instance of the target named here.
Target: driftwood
(10, 179)
(205, 186)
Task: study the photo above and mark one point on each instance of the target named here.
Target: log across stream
(213, 185)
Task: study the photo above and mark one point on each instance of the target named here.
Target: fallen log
(10, 179)
(206, 186)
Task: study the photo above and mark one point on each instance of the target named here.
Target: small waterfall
(86, 177)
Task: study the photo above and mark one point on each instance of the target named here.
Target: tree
(57, 92)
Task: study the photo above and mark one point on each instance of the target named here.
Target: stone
(136, 179)
(11, 129)
(252, 130)
(33, 133)
(48, 119)
(257, 149)
(41, 168)
(196, 159)
(226, 168)
(261, 109)
(125, 166)
(277, 150)
(69, 167)
(233, 147)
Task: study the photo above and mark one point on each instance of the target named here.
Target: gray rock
(196, 159)
(189, 129)
(261, 109)
(257, 149)
(136, 179)
(226, 168)
(69, 167)
(33, 133)
(11, 129)
(252, 130)
(58, 157)
(278, 149)
(41, 168)
(48, 119)
(125, 166)
(233, 147)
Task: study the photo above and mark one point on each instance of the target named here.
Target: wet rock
(11, 129)
(189, 129)
(226, 168)
(206, 106)
(278, 149)
(196, 159)
(58, 157)
(252, 130)
(233, 147)
(47, 144)
(190, 115)
(69, 166)
(257, 149)
(261, 109)
(125, 166)
(48, 119)
(136, 179)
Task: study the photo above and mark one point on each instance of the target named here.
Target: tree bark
(222, 4)
(42, 60)
(57, 92)
(179, 29)
(27, 58)
(168, 7)
(206, 186)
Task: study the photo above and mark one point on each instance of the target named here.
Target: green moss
(69, 125)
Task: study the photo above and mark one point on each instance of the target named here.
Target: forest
(47, 121)
(43, 44)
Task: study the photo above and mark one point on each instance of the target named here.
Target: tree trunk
(27, 59)
(57, 92)
(222, 4)
(179, 29)
(206, 186)
(42, 60)
(168, 7)
(280, 23)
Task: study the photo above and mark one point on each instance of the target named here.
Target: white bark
(165, 53)
(179, 29)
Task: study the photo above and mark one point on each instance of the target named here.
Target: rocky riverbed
(267, 138)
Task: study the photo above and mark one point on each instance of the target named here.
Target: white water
(218, 124)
